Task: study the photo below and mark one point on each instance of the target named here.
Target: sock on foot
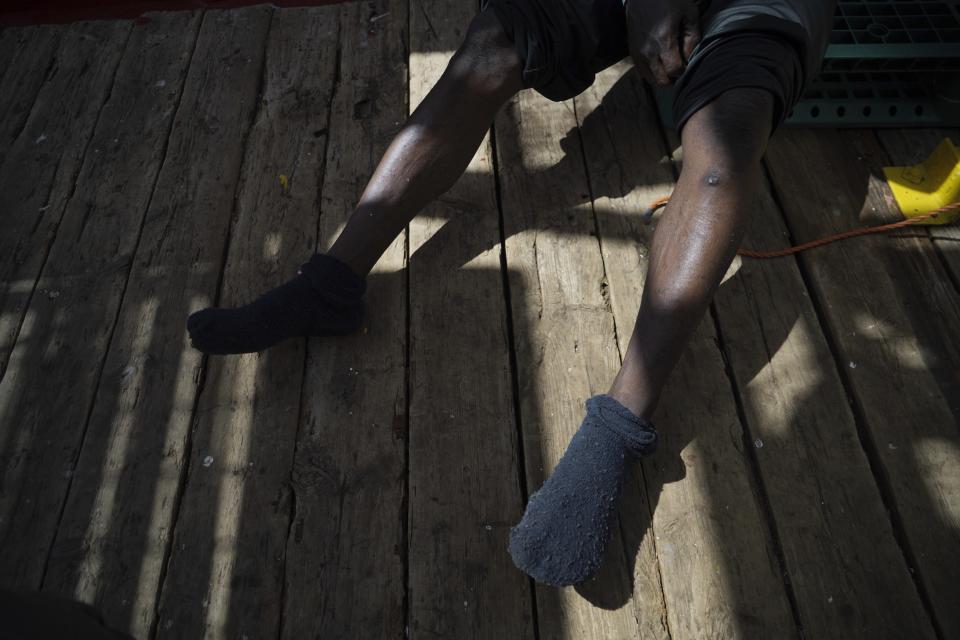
(563, 534)
(325, 298)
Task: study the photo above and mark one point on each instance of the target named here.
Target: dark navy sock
(568, 523)
(326, 298)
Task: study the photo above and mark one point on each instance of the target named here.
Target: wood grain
(11, 41)
(564, 336)
(26, 54)
(319, 514)
(465, 489)
(116, 530)
(891, 314)
(846, 569)
(716, 557)
(84, 279)
(46, 393)
(624, 155)
(40, 168)
(345, 550)
(227, 580)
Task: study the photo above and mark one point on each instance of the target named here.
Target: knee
(487, 59)
(728, 137)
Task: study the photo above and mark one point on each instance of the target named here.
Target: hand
(662, 35)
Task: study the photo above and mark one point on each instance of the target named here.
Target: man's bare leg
(568, 522)
(427, 156)
(435, 146)
(696, 239)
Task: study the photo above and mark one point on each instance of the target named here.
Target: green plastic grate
(870, 22)
(889, 63)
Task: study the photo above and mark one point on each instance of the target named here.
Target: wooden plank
(564, 331)
(40, 168)
(717, 561)
(848, 574)
(67, 326)
(31, 498)
(465, 488)
(226, 580)
(623, 148)
(345, 551)
(816, 478)
(26, 54)
(892, 315)
(115, 534)
(11, 40)
(912, 146)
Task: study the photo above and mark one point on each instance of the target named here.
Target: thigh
(563, 43)
(741, 60)
(776, 46)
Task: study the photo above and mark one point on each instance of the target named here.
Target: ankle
(333, 279)
(640, 403)
(358, 266)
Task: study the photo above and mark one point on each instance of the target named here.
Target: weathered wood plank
(57, 361)
(720, 575)
(912, 146)
(892, 314)
(115, 534)
(40, 168)
(26, 54)
(817, 480)
(465, 489)
(37, 449)
(717, 561)
(564, 330)
(345, 555)
(227, 580)
(624, 160)
(847, 572)
(11, 40)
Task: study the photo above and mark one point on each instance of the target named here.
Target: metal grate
(869, 22)
(889, 63)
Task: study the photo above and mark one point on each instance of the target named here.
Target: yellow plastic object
(927, 186)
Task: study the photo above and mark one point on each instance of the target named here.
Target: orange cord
(660, 202)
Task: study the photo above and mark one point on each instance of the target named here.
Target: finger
(658, 71)
(691, 38)
(671, 60)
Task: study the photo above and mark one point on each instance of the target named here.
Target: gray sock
(568, 523)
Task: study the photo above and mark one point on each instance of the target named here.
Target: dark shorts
(770, 46)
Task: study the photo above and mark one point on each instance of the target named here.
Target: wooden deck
(808, 480)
